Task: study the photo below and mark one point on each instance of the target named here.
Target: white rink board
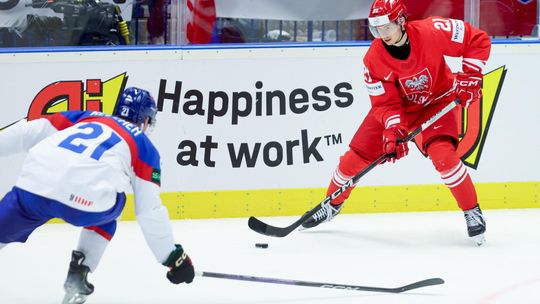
(508, 154)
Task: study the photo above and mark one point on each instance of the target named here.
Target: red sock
(453, 172)
(349, 165)
(460, 184)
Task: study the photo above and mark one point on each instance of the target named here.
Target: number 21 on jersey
(442, 24)
(455, 27)
(89, 139)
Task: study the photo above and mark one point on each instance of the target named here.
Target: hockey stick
(11, 124)
(415, 285)
(263, 228)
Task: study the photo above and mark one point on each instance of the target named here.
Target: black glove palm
(181, 268)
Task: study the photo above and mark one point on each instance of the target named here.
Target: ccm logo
(469, 83)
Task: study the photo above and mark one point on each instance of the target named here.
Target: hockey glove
(469, 88)
(393, 145)
(181, 268)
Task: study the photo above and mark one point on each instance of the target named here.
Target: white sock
(2, 245)
(93, 246)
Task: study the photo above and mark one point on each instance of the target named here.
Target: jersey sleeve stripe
(59, 121)
(392, 120)
(475, 64)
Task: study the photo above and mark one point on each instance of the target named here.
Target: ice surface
(383, 250)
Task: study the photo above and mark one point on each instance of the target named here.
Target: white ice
(382, 250)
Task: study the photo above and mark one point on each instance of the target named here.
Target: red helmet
(386, 11)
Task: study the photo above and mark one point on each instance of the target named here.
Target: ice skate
(476, 225)
(325, 214)
(76, 286)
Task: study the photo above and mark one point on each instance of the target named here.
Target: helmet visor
(150, 128)
(384, 30)
(152, 121)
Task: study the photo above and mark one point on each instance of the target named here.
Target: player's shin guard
(453, 173)
(76, 285)
(460, 184)
(93, 241)
(350, 164)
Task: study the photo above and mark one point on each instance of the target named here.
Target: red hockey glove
(393, 145)
(181, 268)
(469, 88)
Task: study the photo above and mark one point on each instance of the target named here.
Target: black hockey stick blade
(419, 284)
(269, 230)
(415, 285)
(258, 226)
(263, 228)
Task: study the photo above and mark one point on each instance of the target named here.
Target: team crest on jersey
(418, 83)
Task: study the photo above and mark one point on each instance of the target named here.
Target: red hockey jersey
(423, 78)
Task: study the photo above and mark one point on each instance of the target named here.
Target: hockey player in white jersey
(78, 167)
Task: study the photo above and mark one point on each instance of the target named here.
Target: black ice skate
(76, 286)
(326, 214)
(476, 225)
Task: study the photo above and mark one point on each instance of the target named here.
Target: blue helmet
(136, 105)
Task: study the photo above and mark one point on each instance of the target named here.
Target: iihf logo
(79, 200)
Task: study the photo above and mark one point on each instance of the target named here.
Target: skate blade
(74, 298)
(302, 228)
(479, 239)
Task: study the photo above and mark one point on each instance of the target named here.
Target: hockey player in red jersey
(408, 81)
(78, 167)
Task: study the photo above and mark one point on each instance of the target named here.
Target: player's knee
(106, 231)
(350, 164)
(443, 154)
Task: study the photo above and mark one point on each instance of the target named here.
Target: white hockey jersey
(83, 159)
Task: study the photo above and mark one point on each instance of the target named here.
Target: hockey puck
(261, 245)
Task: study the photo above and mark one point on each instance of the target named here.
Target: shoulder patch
(156, 176)
(458, 30)
(375, 89)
